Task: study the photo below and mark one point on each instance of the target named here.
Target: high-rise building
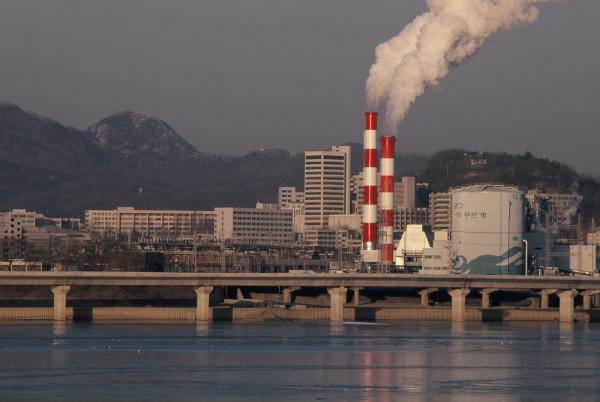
(326, 185)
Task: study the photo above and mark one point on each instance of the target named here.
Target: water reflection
(202, 328)
(271, 361)
(59, 329)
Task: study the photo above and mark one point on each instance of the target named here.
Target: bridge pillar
(203, 310)
(425, 295)
(458, 303)
(567, 305)
(286, 294)
(60, 302)
(544, 296)
(356, 296)
(587, 298)
(485, 297)
(338, 299)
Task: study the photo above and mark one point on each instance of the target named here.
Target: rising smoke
(452, 30)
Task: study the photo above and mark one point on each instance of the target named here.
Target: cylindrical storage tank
(487, 228)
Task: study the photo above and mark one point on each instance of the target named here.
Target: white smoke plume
(447, 34)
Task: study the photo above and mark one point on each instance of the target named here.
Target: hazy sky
(236, 75)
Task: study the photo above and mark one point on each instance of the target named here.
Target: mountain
(130, 133)
(126, 159)
(129, 159)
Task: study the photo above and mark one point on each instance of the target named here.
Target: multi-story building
(593, 237)
(326, 185)
(356, 193)
(15, 228)
(289, 198)
(260, 226)
(334, 238)
(440, 211)
(405, 193)
(415, 216)
(349, 222)
(561, 207)
(149, 224)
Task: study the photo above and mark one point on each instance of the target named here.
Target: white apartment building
(263, 226)
(149, 223)
(289, 198)
(326, 185)
(440, 211)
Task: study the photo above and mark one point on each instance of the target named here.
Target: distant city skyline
(236, 76)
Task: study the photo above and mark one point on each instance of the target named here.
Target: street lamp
(526, 256)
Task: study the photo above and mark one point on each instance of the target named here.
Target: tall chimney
(369, 209)
(387, 199)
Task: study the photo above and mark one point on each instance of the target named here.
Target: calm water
(272, 361)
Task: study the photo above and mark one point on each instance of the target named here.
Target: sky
(232, 76)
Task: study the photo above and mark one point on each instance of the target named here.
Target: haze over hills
(131, 159)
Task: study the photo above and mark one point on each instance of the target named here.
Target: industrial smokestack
(387, 198)
(369, 209)
(421, 55)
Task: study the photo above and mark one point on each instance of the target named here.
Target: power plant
(387, 199)
(369, 209)
(488, 222)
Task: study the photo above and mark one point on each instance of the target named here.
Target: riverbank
(290, 313)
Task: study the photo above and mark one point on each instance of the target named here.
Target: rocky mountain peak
(131, 133)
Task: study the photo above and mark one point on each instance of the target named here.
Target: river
(299, 361)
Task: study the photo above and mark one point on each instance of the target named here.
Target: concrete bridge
(457, 286)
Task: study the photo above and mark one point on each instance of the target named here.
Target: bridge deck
(296, 280)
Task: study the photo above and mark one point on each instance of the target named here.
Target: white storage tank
(488, 222)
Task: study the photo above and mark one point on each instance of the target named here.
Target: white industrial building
(409, 252)
(436, 260)
(584, 259)
(487, 228)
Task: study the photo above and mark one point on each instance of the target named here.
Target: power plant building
(488, 223)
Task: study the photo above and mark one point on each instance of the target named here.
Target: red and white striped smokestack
(370, 183)
(387, 198)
